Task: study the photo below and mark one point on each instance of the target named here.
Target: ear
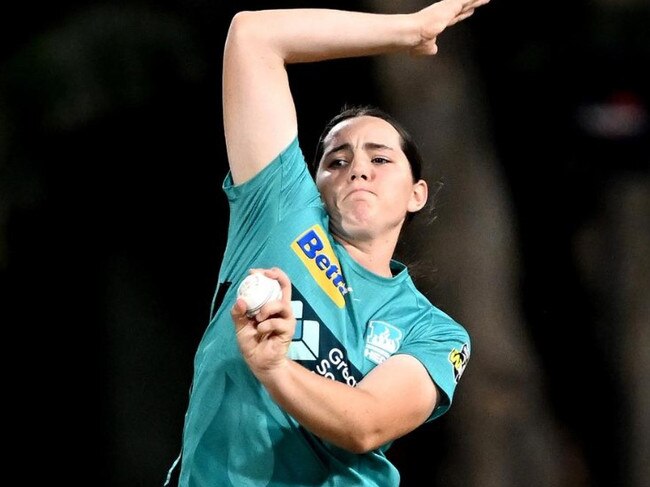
(419, 196)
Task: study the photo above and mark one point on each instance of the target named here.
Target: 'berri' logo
(314, 250)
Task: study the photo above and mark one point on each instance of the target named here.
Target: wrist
(273, 373)
(411, 26)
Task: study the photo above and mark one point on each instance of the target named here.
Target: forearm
(391, 400)
(334, 411)
(306, 35)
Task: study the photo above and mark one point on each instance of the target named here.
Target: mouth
(358, 191)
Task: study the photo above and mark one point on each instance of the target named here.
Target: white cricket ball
(257, 290)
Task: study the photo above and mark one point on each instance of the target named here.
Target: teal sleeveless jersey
(349, 320)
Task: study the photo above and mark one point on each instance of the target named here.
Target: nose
(359, 170)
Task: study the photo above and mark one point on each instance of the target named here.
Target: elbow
(366, 444)
(360, 448)
(253, 36)
(244, 26)
(359, 441)
(241, 19)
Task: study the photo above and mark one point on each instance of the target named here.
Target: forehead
(363, 129)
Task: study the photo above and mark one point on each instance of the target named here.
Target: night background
(112, 227)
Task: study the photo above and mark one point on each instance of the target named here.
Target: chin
(355, 225)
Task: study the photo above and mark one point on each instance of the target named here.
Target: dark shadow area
(112, 220)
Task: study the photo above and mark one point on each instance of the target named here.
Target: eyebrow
(347, 146)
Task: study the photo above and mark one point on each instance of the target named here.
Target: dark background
(112, 222)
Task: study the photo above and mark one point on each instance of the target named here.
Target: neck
(375, 255)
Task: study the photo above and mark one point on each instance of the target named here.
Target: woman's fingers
(276, 326)
(282, 278)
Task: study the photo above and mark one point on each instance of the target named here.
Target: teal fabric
(348, 321)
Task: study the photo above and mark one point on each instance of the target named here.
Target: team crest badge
(382, 341)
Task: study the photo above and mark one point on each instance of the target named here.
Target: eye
(380, 160)
(336, 163)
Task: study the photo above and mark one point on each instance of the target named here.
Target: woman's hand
(264, 339)
(437, 17)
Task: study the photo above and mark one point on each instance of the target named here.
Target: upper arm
(404, 396)
(258, 109)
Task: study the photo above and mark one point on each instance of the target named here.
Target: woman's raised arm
(258, 109)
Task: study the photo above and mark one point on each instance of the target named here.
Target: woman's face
(365, 179)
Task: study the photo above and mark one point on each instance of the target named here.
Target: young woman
(313, 389)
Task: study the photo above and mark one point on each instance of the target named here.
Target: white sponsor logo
(335, 361)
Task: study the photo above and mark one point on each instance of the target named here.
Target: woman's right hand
(264, 339)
